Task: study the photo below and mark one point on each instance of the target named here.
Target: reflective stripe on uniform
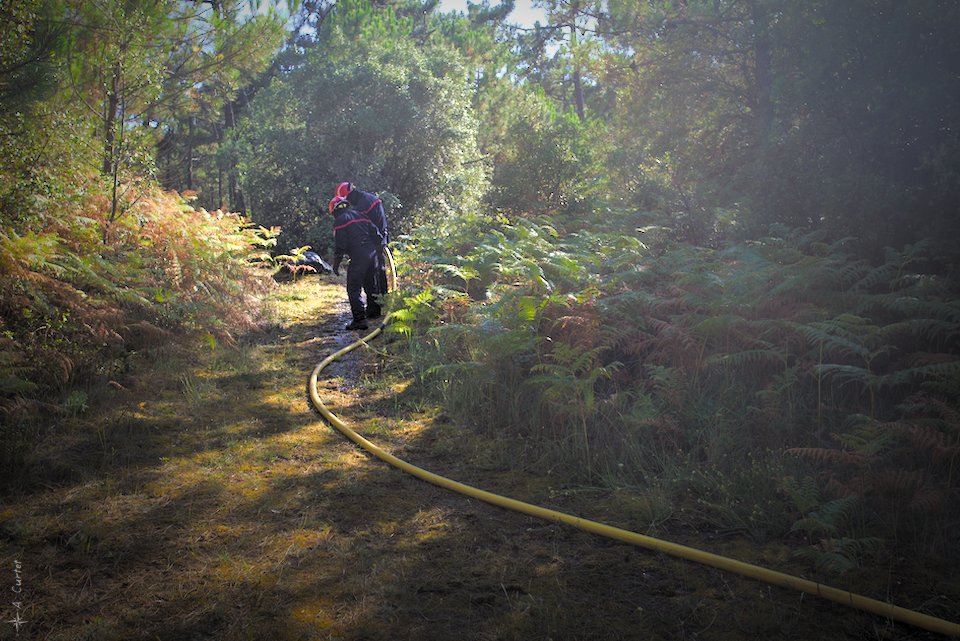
(375, 203)
(355, 220)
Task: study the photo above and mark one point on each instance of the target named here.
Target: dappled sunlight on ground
(209, 501)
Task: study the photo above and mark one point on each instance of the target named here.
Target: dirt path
(205, 500)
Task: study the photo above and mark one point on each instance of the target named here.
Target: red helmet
(337, 202)
(343, 189)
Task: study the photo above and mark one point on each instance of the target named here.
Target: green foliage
(599, 307)
(143, 68)
(544, 156)
(545, 160)
(363, 105)
(741, 501)
(417, 312)
(820, 521)
(42, 141)
(29, 40)
(826, 114)
(568, 381)
(634, 366)
(840, 555)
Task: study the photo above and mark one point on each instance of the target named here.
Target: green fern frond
(846, 374)
(851, 272)
(825, 334)
(134, 299)
(930, 329)
(909, 306)
(840, 555)
(803, 493)
(402, 328)
(718, 325)
(916, 375)
(869, 437)
(812, 526)
(465, 273)
(34, 251)
(876, 276)
(809, 273)
(634, 300)
(502, 344)
(84, 274)
(749, 357)
(12, 385)
(403, 315)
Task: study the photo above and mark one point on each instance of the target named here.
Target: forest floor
(204, 499)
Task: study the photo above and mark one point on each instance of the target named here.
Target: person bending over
(357, 237)
(369, 206)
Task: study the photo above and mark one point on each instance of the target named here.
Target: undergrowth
(775, 388)
(80, 292)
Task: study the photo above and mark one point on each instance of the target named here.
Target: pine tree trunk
(577, 81)
(110, 122)
(763, 68)
(190, 134)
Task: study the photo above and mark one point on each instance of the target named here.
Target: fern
(909, 306)
(718, 326)
(930, 500)
(91, 274)
(848, 374)
(31, 250)
(466, 273)
(840, 555)
(930, 438)
(834, 336)
(892, 482)
(878, 275)
(932, 330)
(831, 456)
(418, 312)
(915, 375)
(850, 272)
(804, 494)
(13, 385)
(672, 336)
(868, 436)
(825, 518)
(749, 357)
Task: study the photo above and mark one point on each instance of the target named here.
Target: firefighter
(370, 206)
(357, 237)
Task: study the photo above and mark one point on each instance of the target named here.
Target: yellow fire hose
(765, 575)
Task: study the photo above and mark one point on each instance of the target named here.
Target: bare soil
(202, 498)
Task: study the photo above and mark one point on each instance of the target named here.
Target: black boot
(357, 324)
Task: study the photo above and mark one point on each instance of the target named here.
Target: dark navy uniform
(370, 206)
(359, 238)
